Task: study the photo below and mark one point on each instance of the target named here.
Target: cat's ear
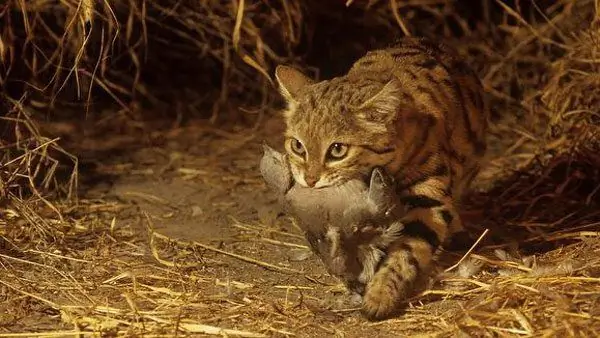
(290, 81)
(382, 108)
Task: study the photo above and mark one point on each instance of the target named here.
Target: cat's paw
(391, 285)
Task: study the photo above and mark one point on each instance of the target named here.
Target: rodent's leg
(430, 215)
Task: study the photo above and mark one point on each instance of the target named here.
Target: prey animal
(418, 111)
(339, 220)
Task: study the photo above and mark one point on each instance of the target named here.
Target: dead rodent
(346, 226)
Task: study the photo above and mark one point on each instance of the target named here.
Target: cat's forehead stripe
(338, 92)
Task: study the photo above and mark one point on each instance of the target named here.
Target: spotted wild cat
(415, 109)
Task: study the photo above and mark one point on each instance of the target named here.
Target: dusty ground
(204, 186)
(176, 232)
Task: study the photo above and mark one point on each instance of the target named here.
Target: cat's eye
(337, 151)
(297, 147)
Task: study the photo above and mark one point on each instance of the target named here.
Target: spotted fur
(415, 109)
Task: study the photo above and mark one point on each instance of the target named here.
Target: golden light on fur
(414, 108)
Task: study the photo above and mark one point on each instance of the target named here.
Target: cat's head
(337, 129)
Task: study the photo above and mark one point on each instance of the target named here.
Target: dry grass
(144, 51)
(78, 268)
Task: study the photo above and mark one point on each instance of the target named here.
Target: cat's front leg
(431, 213)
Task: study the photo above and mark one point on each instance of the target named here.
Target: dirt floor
(202, 189)
(205, 188)
(176, 232)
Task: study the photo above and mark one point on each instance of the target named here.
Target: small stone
(298, 255)
(197, 211)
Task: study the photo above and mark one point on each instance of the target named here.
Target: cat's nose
(311, 181)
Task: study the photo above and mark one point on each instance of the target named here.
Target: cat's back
(432, 76)
(410, 54)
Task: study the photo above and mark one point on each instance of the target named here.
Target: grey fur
(346, 212)
(275, 171)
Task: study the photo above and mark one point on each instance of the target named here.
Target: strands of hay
(572, 95)
(29, 168)
(131, 50)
